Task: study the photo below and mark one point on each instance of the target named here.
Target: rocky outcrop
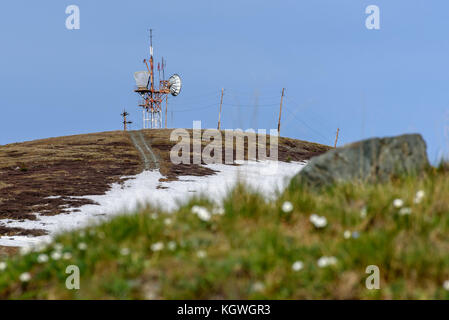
(372, 160)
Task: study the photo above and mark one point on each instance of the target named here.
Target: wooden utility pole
(219, 113)
(280, 112)
(166, 106)
(336, 138)
(125, 123)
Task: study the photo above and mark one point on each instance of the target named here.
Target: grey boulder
(372, 160)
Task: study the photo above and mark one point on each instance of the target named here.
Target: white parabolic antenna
(175, 84)
(142, 78)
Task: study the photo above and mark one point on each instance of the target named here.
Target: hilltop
(51, 176)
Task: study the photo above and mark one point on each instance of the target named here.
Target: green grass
(248, 252)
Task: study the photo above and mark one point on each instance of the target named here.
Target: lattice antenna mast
(151, 97)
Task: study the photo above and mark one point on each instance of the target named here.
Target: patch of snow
(266, 177)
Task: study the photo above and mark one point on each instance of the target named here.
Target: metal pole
(280, 112)
(166, 107)
(151, 76)
(219, 113)
(336, 137)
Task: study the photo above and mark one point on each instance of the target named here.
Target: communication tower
(151, 93)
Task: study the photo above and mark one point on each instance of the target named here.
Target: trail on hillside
(149, 159)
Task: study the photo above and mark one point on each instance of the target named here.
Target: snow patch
(266, 177)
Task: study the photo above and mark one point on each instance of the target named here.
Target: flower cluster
(326, 261)
(158, 246)
(317, 221)
(287, 207)
(419, 196)
(297, 265)
(202, 213)
(348, 234)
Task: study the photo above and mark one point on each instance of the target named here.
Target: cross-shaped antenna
(125, 122)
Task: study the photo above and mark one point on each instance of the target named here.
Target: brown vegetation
(49, 175)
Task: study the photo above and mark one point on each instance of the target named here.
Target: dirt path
(150, 160)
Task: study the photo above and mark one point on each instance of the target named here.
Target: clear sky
(337, 73)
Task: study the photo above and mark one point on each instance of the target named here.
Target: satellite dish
(142, 78)
(175, 84)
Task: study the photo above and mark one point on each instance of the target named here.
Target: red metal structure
(152, 97)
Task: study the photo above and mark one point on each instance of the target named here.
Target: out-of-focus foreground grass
(250, 248)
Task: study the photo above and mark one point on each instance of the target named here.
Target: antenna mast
(152, 97)
(163, 68)
(151, 61)
(125, 122)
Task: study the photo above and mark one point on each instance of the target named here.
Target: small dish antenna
(175, 84)
(142, 78)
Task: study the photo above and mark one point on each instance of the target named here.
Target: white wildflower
(124, 251)
(363, 212)
(297, 265)
(42, 258)
(347, 234)
(397, 203)
(67, 256)
(419, 196)
(25, 250)
(25, 277)
(58, 247)
(82, 246)
(201, 254)
(446, 285)
(56, 255)
(405, 211)
(2, 266)
(258, 287)
(287, 207)
(317, 221)
(41, 246)
(326, 261)
(154, 216)
(168, 221)
(218, 211)
(171, 245)
(158, 246)
(202, 213)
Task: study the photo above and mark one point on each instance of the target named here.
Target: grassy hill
(245, 248)
(33, 173)
(258, 249)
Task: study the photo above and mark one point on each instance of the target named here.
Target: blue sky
(337, 73)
